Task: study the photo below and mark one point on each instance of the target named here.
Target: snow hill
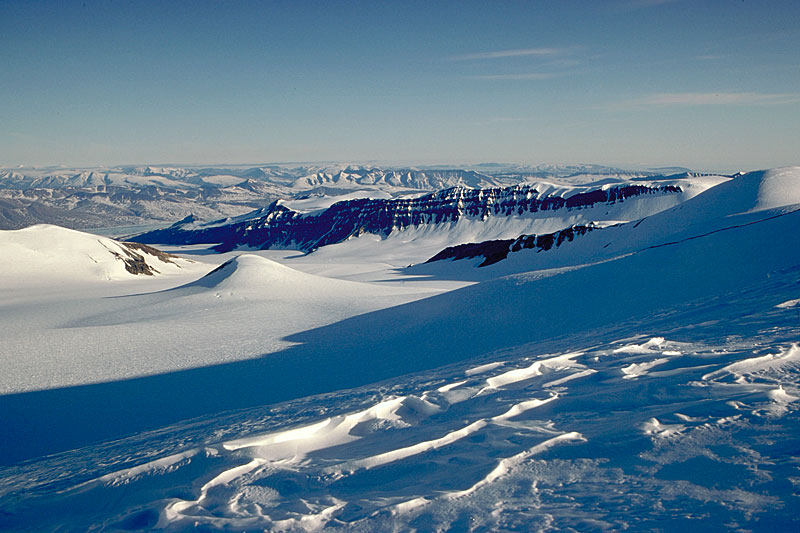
(644, 376)
(249, 272)
(252, 276)
(34, 254)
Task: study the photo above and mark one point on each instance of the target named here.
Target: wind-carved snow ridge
(504, 443)
(656, 345)
(764, 377)
(458, 421)
(474, 447)
(765, 366)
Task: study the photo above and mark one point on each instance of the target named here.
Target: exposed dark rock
(135, 263)
(496, 250)
(491, 251)
(163, 256)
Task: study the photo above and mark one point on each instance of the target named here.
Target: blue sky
(712, 85)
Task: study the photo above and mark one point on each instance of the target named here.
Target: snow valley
(358, 348)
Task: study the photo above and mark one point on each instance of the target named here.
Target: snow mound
(778, 187)
(751, 192)
(52, 252)
(247, 270)
(249, 274)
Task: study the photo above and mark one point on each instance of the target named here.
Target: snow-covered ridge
(745, 199)
(279, 226)
(424, 180)
(290, 180)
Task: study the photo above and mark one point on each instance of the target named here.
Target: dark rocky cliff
(495, 251)
(277, 226)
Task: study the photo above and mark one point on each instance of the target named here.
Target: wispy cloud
(709, 57)
(640, 4)
(519, 76)
(501, 120)
(500, 54)
(536, 64)
(707, 99)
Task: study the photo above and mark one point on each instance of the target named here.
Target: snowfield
(642, 376)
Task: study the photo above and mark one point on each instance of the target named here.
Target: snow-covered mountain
(103, 198)
(410, 179)
(515, 209)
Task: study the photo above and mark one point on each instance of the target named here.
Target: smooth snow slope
(243, 309)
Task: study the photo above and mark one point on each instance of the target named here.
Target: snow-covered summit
(750, 192)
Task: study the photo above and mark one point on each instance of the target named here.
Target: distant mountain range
(107, 197)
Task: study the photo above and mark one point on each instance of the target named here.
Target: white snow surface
(645, 379)
(242, 310)
(319, 203)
